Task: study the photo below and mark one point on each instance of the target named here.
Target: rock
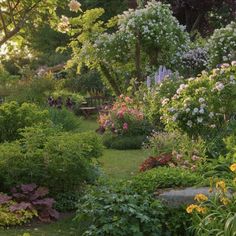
(180, 197)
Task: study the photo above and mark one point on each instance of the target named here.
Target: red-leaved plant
(153, 162)
(33, 197)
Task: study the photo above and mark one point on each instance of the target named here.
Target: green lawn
(116, 165)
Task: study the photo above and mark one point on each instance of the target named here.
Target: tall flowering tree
(127, 46)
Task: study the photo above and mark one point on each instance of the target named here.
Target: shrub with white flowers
(194, 61)
(204, 104)
(140, 41)
(222, 45)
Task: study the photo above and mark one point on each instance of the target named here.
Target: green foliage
(12, 218)
(221, 45)
(57, 160)
(164, 177)
(203, 106)
(114, 212)
(14, 117)
(34, 91)
(66, 202)
(123, 142)
(65, 119)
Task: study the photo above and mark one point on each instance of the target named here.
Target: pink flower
(128, 99)
(120, 114)
(125, 126)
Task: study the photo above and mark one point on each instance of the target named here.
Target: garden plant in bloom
(124, 118)
(203, 105)
(215, 215)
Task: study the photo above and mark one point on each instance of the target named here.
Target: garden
(117, 118)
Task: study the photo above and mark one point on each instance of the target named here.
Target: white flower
(219, 86)
(211, 114)
(187, 110)
(164, 101)
(190, 123)
(199, 119)
(64, 25)
(201, 100)
(233, 63)
(201, 111)
(213, 126)
(195, 110)
(74, 6)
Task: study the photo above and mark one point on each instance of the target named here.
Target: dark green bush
(66, 202)
(114, 212)
(123, 142)
(164, 177)
(36, 91)
(14, 117)
(64, 118)
(57, 160)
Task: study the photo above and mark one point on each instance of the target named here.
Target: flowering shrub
(203, 105)
(152, 32)
(184, 152)
(215, 215)
(194, 61)
(155, 97)
(222, 45)
(125, 118)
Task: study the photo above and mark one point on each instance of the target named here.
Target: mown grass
(116, 165)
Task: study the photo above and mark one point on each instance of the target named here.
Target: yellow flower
(201, 197)
(221, 185)
(225, 200)
(233, 167)
(191, 207)
(201, 210)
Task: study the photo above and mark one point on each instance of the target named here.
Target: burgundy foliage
(153, 162)
(4, 198)
(30, 196)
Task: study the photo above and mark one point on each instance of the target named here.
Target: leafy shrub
(34, 197)
(14, 117)
(123, 142)
(10, 215)
(66, 202)
(153, 162)
(60, 161)
(215, 215)
(221, 45)
(32, 91)
(164, 177)
(64, 118)
(198, 112)
(111, 212)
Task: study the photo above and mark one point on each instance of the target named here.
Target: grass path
(116, 165)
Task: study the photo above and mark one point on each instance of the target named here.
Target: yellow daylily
(201, 197)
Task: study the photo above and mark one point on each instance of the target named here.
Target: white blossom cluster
(222, 45)
(203, 102)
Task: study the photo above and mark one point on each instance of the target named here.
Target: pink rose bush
(125, 117)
